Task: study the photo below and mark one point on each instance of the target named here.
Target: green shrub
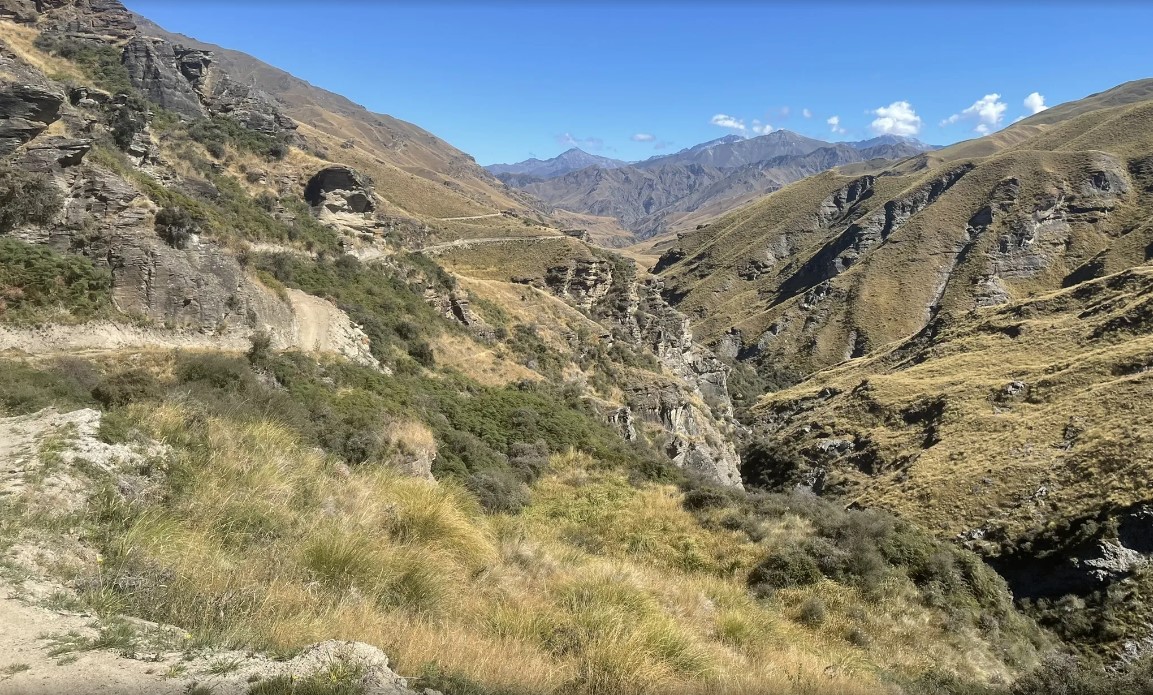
(35, 280)
(129, 386)
(393, 313)
(125, 126)
(788, 567)
(772, 465)
(499, 491)
(100, 61)
(26, 198)
(219, 132)
(261, 347)
(66, 383)
(813, 612)
(176, 225)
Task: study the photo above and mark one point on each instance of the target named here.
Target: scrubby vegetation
(380, 299)
(220, 132)
(281, 507)
(100, 61)
(26, 199)
(38, 283)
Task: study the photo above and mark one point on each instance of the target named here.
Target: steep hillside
(1020, 431)
(260, 391)
(406, 161)
(964, 343)
(833, 267)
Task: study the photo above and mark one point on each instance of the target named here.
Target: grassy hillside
(809, 281)
(603, 579)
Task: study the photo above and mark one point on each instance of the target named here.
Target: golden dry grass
(600, 587)
(1078, 440)
(889, 292)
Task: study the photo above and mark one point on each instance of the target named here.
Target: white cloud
(806, 113)
(1035, 103)
(643, 137)
(988, 111)
(897, 118)
(785, 110)
(568, 140)
(835, 125)
(725, 121)
(761, 128)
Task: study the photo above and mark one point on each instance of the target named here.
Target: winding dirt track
(469, 243)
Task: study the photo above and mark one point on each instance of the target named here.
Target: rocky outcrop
(97, 19)
(248, 106)
(693, 440)
(860, 238)
(25, 112)
(340, 189)
(152, 66)
(694, 410)
(1092, 554)
(585, 282)
(668, 334)
(55, 153)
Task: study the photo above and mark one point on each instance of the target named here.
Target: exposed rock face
(860, 238)
(25, 112)
(152, 65)
(1057, 567)
(250, 107)
(585, 282)
(88, 18)
(56, 153)
(340, 189)
(667, 332)
(695, 410)
(695, 443)
(193, 65)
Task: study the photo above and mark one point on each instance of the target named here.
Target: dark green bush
(26, 198)
(393, 314)
(219, 132)
(65, 383)
(261, 347)
(125, 125)
(772, 465)
(784, 568)
(176, 225)
(499, 491)
(35, 279)
(100, 61)
(128, 386)
(813, 612)
(529, 461)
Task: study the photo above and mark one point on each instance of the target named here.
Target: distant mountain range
(696, 183)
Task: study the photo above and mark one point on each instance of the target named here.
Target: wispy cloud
(806, 113)
(761, 128)
(785, 111)
(835, 125)
(988, 111)
(726, 121)
(1035, 103)
(568, 140)
(898, 118)
(662, 144)
(643, 137)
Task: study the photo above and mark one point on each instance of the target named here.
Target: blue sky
(506, 81)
